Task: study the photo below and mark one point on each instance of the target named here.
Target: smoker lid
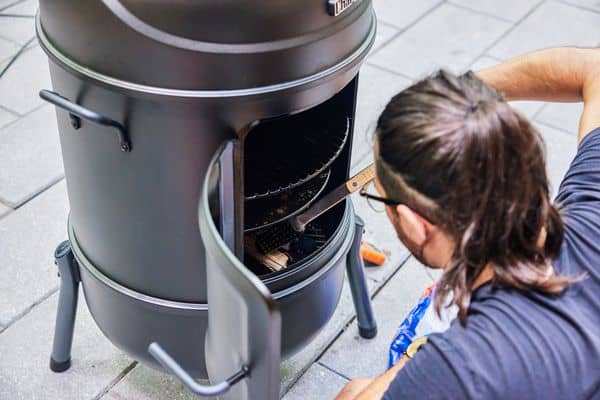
(206, 45)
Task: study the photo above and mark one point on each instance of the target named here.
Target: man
(462, 176)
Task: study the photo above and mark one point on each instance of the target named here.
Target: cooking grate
(274, 165)
(266, 211)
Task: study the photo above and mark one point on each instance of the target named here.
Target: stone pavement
(414, 38)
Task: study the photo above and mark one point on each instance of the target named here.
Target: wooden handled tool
(332, 198)
(283, 233)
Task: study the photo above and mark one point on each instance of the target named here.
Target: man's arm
(370, 389)
(560, 74)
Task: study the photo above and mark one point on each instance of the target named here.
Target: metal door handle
(77, 112)
(201, 390)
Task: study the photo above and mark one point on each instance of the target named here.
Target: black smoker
(187, 128)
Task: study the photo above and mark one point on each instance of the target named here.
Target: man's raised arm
(559, 74)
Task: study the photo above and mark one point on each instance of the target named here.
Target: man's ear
(413, 225)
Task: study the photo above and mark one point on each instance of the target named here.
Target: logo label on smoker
(336, 7)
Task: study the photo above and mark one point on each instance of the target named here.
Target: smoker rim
(343, 248)
(147, 89)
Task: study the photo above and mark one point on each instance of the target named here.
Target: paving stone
(540, 30)
(294, 367)
(144, 383)
(353, 356)
(384, 33)
(588, 4)
(528, 108)
(401, 13)
(6, 3)
(7, 50)
(26, 346)
(564, 116)
(375, 89)
(27, 7)
(435, 274)
(6, 117)
(19, 30)
(4, 210)
(28, 237)
(318, 383)
(30, 156)
(20, 85)
(561, 147)
(511, 10)
(449, 37)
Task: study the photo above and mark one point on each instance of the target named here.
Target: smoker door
(244, 329)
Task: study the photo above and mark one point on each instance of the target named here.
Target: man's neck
(485, 276)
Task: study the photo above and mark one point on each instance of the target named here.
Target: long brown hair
(454, 151)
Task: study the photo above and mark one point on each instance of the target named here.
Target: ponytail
(462, 148)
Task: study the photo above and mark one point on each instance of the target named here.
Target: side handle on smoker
(202, 390)
(77, 112)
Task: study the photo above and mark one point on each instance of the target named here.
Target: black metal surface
(68, 271)
(76, 112)
(132, 320)
(286, 153)
(367, 326)
(192, 44)
(266, 211)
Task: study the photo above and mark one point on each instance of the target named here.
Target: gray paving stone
(28, 237)
(7, 50)
(375, 89)
(19, 30)
(564, 116)
(294, 367)
(25, 348)
(6, 117)
(528, 108)
(512, 10)
(6, 3)
(450, 37)
(318, 383)
(401, 13)
(552, 24)
(20, 85)
(560, 150)
(353, 356)
(27, 7)
(30, 156)
(588, 4)
(4, 210)
(384, 33)
(144, 383)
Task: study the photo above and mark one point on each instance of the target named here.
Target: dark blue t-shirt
(520, 345)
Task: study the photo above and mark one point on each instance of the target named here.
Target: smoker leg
(367, 327)
(67, 306)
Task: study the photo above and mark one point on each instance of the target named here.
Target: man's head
(470, 178)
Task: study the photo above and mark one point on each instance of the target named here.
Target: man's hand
(561, 74)
(368, 388)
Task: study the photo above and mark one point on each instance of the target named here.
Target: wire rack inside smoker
(302, 246)
(265, 211)
(287, 153)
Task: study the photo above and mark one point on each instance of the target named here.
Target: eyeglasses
(376, 202)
